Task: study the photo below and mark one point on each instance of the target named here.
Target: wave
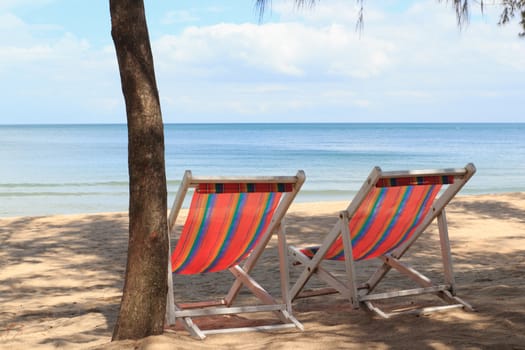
(60, 194)
(63, 184)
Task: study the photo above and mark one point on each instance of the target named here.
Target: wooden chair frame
(283, 309)
(363, 294)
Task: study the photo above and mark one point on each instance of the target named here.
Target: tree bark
(143, 304)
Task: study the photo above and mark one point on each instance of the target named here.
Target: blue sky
(215, 62)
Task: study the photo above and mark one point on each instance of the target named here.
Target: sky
(216, 62)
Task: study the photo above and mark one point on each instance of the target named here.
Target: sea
(66, 169)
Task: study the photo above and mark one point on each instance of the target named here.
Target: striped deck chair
(388, 214)
(230, 221)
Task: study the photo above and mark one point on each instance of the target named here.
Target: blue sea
(64, 169)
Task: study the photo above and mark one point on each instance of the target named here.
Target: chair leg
(284, 268)
(191, 327)
(349, 260)
(170, 303)
(445, 251)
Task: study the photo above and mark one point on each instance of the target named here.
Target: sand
(61, 280)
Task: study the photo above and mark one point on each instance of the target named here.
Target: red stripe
(221, 230)
(393, 220)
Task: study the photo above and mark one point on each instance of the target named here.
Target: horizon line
(266, 123)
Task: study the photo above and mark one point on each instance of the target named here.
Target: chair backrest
(393, 208)
(227, 218)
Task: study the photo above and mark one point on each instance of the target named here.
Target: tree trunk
(143, 304)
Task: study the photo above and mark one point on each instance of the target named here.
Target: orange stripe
(399, 198)
(382, 215)
(189, 233)
(221, 230)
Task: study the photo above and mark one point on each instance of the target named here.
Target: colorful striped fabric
(415, 180)
(387, 218)
(222, 229)
(244, 187)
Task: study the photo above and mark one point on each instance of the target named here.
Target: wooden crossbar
(229, 310)
(403, 293)
(249, 329)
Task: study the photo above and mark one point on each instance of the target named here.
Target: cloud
(7, 5)
(405, 64)
(410, 61)
(51, 74)
(9, 21)
(292, 50)
(241, 102)
(322, 44)
(182, 16)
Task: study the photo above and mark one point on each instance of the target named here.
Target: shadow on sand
(79, 265)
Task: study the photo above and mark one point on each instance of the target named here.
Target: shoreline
(62, 276)
(295, 205)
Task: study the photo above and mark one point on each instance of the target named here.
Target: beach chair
(388, 214)
(231, 220)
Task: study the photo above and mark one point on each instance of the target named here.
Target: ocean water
(63, 169)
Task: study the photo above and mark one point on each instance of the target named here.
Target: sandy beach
(61, 280)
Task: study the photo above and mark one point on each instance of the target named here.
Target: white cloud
(409, 94)
(12, 4)
(183, 16)
(311, 65)
(287, 49)
(404, 65)
(52, 74)
(8, 21)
